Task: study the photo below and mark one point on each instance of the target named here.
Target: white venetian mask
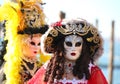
(73, 47)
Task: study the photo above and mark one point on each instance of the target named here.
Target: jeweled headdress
(79, 27)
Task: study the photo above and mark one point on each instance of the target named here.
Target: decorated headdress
(23, 17)
(26, 14)
(80, 27)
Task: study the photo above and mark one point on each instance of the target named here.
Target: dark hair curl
(55, 68)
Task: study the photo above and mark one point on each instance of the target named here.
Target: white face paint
(73, 47)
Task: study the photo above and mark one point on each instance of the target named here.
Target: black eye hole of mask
(77, 44)
(68, 44)
(33, 43)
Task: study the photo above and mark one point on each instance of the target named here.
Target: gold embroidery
(28, 68)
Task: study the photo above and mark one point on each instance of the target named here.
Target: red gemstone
(69, 65)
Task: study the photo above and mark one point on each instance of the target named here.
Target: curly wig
(55, 68)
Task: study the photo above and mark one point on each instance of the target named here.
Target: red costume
(75, 45)
(97, 77)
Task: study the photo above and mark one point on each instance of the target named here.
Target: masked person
(25, 25)
(76, 45)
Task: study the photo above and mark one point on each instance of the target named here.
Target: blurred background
(105, 15)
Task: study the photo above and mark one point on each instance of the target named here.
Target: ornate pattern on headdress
(32, 15)
(79, 27)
